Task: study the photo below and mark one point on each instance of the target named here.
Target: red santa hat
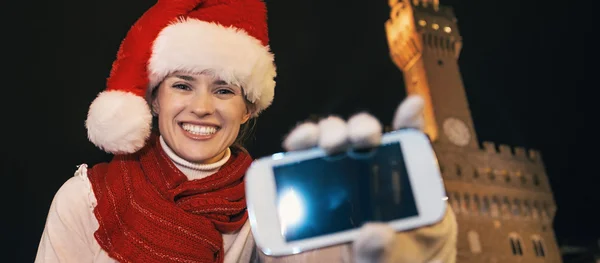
(226, 37)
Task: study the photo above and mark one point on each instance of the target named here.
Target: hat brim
(192, 45)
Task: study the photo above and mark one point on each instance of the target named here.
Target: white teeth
(198, 129)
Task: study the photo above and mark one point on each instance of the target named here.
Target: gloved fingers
(364, 131)
(333, 134)
(409, 113)
(303, 136)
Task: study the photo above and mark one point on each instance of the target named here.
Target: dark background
(522, 64)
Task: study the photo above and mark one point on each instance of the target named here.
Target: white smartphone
(304, 200)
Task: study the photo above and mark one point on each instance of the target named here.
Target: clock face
(457, 131)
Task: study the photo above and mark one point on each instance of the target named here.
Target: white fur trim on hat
(192, 45)
(119, 122)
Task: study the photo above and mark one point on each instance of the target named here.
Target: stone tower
(501, 195)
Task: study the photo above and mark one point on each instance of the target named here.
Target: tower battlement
(507, 151)
(433, 4)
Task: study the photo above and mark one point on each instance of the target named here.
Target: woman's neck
(193, 170)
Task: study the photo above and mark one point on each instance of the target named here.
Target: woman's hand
(378, 242)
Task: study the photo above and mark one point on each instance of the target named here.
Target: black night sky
(522, 64)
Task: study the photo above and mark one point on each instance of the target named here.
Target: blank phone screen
(341, 192)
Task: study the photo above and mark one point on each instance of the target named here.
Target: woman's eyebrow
(220, 82)
(186, 77)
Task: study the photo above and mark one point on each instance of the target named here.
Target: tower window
(458, 170)
(485, 206)
(447, 29)
(490, 174)
(538, 246)
(440, 62)
(506, 207)
(422, 22)
(466, 203)
(535, 211)
(526, 208)
(457, 203)
(516, 208)
(515, 244)
(536, 180)
(522, 177)
(546, 211)
(476, 203)
(494, 208)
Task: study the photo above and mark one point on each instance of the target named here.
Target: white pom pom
(364, 130)
(410, 113)
(333, 134)
(119, 122)
(304, 136)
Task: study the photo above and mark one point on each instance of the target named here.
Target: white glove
(361, 131)
(378, 242)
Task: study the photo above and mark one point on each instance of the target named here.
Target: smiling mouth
(200, 130)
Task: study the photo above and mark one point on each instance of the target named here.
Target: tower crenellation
(513, 152)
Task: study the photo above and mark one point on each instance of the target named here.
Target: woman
(203, 69)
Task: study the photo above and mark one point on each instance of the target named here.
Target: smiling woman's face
(199, 116)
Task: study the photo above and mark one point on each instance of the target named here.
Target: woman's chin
(201, 158)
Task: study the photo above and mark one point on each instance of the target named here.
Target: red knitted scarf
(149, 212)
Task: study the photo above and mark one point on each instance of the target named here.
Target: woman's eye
(224, 91)
(182, 87)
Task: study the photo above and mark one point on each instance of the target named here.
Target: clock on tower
(457, 131)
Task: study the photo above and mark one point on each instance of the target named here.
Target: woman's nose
(202, 105)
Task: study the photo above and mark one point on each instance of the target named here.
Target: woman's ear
(246, 117)
(250, 109)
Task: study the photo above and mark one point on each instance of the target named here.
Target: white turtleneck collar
(191, 170)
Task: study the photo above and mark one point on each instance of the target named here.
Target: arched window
(495, 207)
(546, 211)
(458, 170)
(474, 243)
(490, 175)
(515, 244)
(535, 211)
(485, 207)
(536, 180)
(505, 207)
(526, 209)
(451, 201)
(522, 177)
(506, 176)
(476, 205)
(538, 246)
(466, 203)
(516, 208)
(457, 203)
